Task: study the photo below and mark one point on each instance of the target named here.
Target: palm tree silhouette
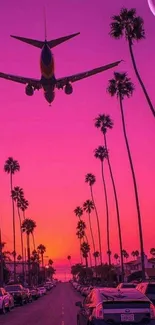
(131, 26)
(104, 122)
(81, 233)
(41, 250)
(24, 205)
(85, 248)
(69, 259)
(101, 153)
(90, 179)
(79, 212)
(28, 226)
(12, 166)
(96, 255)
(133, 254)
(121, 86)
(116, 257)
(18, 196)
(88, 206)
(152, 251)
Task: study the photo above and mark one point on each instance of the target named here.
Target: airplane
(48, 82)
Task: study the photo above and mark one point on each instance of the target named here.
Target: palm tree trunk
(92, 236)
(22, 244)
(81, 253)
(107, 213)
(98, 224)
(86, 258)
(34, 246)
(14, 229)
(90, 260)
(117, 209)
(28, 256)
(135, 190)
(140, 80)
(42, 259)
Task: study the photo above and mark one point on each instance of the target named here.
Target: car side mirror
(78, 304)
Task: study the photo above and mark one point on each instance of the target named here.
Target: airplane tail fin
(40, 44)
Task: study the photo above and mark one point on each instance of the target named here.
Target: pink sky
(54, 145)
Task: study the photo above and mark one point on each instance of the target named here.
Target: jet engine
(68, 89)
(29, 90)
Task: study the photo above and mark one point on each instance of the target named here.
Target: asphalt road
(56, 308)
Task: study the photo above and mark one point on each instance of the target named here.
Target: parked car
(110, 306)
(28, 295)
(6, 302)
(148, 288)
(18, 293)
(34, 293)
(42, 291)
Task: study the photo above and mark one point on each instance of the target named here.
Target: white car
(5, 301)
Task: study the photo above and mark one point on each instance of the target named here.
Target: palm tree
(28, 226)
(24, 205)
(116, 257)
(69, 259)
(79, 212)
(18, 196)
(131, 26)
(152, 251)
(101, 153)
(122, 87)
(136, 253)
(81, 228)
(133, 254)
(85, 248)
(41, 250)
(12, 166)
(88, 206)
(96, 255)
(90, 179)
(104, 122)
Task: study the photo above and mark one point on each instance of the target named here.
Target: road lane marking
(62, 323)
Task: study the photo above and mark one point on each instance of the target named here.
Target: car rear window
(151, 288)
(13, 288)
(126, 286)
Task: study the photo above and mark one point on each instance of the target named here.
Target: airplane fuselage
(47, 73)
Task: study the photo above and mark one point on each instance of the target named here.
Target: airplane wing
(23, 80)
(63, 81)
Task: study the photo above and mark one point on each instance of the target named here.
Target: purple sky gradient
(54, 145)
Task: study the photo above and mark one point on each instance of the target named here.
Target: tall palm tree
(116, 257)
(18, 196)
(28, 226)
(88, 206)
(12, 166)
(90, 179)
(133, 254)
(41, 250)
(96, 255)
(136, 253)
(85, 248)
(24, 205)
(101, 153)
(131, 26)
(79, 212)
(81, 227)
(104, 122)
(122, 87)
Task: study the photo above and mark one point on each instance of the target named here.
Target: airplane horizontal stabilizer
(30, 41)
(40, 44)
(60, 40)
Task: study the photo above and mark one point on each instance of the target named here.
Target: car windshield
(128, 285)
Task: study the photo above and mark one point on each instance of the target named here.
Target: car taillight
(152, 311)
(99, 312)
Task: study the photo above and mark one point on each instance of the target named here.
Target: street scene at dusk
(77, 161)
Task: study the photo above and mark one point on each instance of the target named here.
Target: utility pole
(1, 262)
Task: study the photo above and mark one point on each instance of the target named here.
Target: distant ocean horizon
(63, 272)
